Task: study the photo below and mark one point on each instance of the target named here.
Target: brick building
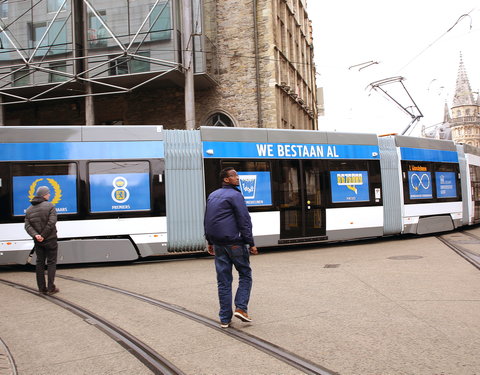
(92, 62)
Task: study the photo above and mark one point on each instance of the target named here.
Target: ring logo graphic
(54, 184)
(120, 193)
(420, 185)
(417, 181)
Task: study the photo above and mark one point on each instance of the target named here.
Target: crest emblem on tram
(120, 193)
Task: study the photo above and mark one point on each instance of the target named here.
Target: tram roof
(217, 134)
(17, 134)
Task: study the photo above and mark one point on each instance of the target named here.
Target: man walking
(228, 230)
(40, 224)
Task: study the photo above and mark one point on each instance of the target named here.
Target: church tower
(465, 119)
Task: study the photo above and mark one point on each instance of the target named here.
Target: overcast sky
(408, 38)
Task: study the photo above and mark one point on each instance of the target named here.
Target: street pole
(187, 46)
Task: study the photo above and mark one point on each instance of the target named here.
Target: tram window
(60, 178)
(349, 186)
(120, 186)
(419, 179)
(349, 181)
(429, 182)
(255, 181)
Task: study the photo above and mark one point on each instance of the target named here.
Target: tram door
(302, 211)
(475, 182)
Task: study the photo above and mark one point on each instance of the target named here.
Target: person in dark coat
(228, 231)
(40, 224)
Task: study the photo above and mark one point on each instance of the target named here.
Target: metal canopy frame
(127, 51)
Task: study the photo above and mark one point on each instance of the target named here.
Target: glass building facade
(53, 49)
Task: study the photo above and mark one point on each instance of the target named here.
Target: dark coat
(41, 218)
(227, 221)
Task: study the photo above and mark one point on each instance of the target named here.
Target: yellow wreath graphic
(58, 191)
(31, 191)
(56, 188)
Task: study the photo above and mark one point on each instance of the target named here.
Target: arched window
(219, 119)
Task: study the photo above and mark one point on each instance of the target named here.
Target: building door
(302, 211)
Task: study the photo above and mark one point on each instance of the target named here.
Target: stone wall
(235, 92)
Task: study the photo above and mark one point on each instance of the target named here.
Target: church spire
(463, 92)
(446, 114)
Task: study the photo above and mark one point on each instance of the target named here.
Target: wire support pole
(187, 42)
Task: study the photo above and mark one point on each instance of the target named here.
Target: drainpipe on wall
(257, 67)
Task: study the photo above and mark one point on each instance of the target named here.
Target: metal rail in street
(149, 357)
(468, 255)
(292, 359)
(7, 363)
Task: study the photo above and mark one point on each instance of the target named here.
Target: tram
(124, 193)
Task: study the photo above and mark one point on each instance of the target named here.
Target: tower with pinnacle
(465, 111)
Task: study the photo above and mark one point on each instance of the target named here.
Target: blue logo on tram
(256, 188)
(63, 190)
(349, 186)
(125, 192)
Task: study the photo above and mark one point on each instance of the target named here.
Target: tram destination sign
(288, 151)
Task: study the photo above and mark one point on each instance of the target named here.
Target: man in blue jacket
(228, 230)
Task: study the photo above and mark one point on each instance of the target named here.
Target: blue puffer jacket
(227, 221)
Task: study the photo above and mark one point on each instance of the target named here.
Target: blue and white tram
(471, 183)
(421, 179)
(301, 186)
(107, 186)
(129, 192)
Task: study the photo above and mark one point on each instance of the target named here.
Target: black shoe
(50, 292)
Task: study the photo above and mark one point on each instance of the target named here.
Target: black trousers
(46, 251)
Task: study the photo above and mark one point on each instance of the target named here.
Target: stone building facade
(253, 63)
(463, 124)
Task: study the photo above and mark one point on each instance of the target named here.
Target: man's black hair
(224, 172)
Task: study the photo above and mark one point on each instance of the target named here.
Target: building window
(97, 33)
(54, 5)
(59, 67)
(219, 119)
(129, 65)
(21, 78)
(160, 22)
(53, 43)
(4, 9)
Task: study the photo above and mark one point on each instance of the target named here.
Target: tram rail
(7, 363)
(292, 359)
(145, 354)
(459, 247)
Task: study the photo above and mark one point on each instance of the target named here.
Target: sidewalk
(409, 306)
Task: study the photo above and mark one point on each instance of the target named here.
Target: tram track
(292, 359)
(7, 363)
(457, 245)
(145, 354)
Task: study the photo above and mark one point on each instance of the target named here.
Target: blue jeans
(225, 257)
